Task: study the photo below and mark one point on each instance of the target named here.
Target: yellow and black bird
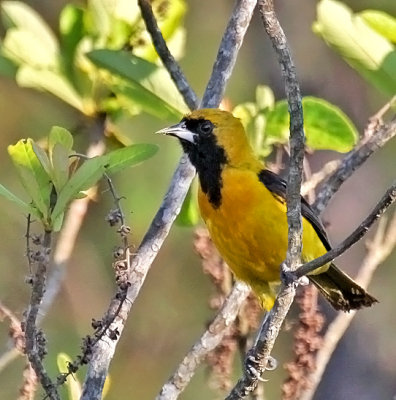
(244, 208)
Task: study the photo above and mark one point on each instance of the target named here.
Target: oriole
(244, 208)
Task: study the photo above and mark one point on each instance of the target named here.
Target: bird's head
(209, 134)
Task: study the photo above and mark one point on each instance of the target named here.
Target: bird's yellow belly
(250, 228)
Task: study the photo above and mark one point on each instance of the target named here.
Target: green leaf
(73, 385)
(84, 178)
(381, 22)
(189, 213)
(60, 163)
(125, 157)
(135, 100)
(59, 135)
(365, 50)
(51, 82)
(326, 126)
(71, 28)
(33, 176)
(15, 199)
(43, 158)
(7, 67)
(142, 76)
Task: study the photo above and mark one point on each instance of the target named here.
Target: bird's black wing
(277, 186)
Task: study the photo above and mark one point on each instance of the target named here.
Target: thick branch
(273, 321)
(361, 230)
(104, 349)
(166, 57)
(207, 342)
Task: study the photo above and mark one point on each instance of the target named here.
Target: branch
(379, 249)
(103, 351)
(207, 342)
(166, 57)
(273, 321)
(228, 51)
(388, 198)
(35, 341)
(375, 139)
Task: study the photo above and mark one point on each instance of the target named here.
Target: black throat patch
(207, 157)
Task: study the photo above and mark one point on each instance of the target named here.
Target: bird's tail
(341, 291)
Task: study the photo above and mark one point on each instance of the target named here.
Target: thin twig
(388, 198)
(271, 325)
(207, 342)
(166, 57)
(318, 177)
(378, 250)
(370, 143)
(103, 351)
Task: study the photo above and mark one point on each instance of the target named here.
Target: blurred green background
(172, 309)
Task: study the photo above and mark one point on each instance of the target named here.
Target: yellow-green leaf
(33, 176)
(365, 50)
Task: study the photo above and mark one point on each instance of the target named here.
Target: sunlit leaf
(142, 76)
(15, 199)
(51, 82)
(326, 126)
(23, 48)
(33, 176)
(365, 50)
(381, 22)
(18, 14)
(125, 157)
(265, 98)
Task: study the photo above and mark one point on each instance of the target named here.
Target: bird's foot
(289, 277)
(254, 367)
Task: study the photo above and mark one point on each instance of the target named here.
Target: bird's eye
(206, 127)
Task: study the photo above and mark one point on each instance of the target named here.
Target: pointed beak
(180, 131)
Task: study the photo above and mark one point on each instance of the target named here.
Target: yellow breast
(249, 229)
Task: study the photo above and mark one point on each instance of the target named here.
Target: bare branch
(360, 231)
(273, 320)
(103, 351)
(317, 178)
(228, 51)
(369, 144)
(168, 60)
(207, 342)
(379, 249)
(35, 341)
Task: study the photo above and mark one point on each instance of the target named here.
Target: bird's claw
(289, 277)
(255, 368)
